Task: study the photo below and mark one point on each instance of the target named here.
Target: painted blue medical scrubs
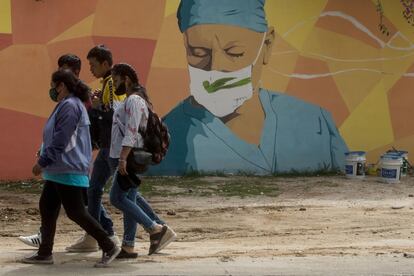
(297, 136)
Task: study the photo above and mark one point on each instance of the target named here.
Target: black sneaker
(155, 240)
(127, 255)
(108, 257)
(37, 259)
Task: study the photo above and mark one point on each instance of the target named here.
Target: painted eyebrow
(198, 47)
(232, 44)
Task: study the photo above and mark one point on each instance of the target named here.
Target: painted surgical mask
(222, 93)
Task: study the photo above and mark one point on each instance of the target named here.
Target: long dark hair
(124, 70)
(75, 86)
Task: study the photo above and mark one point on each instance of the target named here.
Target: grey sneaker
(108, 257)
(85, 244)
(37, 259)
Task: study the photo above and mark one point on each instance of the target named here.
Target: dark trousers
(102, 171)
(53, 196)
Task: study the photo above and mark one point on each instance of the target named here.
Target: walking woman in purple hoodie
(64, 164)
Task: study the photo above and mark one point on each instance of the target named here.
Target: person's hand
(96, 99)
(38, 154)
(37, 169)
(122, 167)
(96, 103)
(97, 93)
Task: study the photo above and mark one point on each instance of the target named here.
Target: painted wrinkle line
(323, 75)
(357, 25)
(321, 56)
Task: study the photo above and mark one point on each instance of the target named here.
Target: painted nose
(218, 60)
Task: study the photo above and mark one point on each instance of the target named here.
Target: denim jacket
(66, 139)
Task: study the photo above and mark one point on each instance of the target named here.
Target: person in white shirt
(130, 118)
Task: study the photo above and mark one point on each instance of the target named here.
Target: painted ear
(185, 40)
(268, 44)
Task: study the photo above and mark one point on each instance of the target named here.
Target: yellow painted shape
(355, 86)
(400, 41)
(171, 7)
(294, 20)
(362, 68)
(351, 69)
(81, 29)
(170, 51)
(395, 67)
(323, 43)
(369, 125)
(393, 12)
(5, 17)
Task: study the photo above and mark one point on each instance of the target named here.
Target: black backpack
(156, 137)
(156, 142)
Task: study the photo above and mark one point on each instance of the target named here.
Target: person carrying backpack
(128, 131)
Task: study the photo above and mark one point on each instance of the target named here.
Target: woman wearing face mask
(64, 163)
(130, 117)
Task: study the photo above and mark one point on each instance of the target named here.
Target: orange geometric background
(327, 52)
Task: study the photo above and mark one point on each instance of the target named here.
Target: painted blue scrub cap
(243, 13)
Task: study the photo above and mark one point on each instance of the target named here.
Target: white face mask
(222, 93)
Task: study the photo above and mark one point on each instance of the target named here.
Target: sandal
(155, 240)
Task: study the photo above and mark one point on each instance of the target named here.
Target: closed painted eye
(235, 54)
(199, 52)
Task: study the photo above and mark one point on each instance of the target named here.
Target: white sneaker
(85, 244)
(33, 240)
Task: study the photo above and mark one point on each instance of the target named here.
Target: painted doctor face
(227, 48)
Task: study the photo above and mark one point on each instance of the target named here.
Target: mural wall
(319, 67)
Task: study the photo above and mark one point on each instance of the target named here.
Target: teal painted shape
(247, 14)
(297, 136)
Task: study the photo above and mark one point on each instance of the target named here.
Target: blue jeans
(102, 171)
(135, 208)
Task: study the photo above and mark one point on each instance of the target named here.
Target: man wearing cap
(229, 123)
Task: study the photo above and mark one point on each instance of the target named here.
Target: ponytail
(75, 86)
(81, 91)
(142, 92)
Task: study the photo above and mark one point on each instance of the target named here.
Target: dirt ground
(311, 226)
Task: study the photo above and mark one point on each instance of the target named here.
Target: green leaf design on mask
(221, 84)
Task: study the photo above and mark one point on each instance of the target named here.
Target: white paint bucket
(391, 167)
(355, 164)
(404, 166)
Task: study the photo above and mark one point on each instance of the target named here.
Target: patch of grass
(198, 174)
(31, 186)
(321, 172)
(226, 187)
(248, 188)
